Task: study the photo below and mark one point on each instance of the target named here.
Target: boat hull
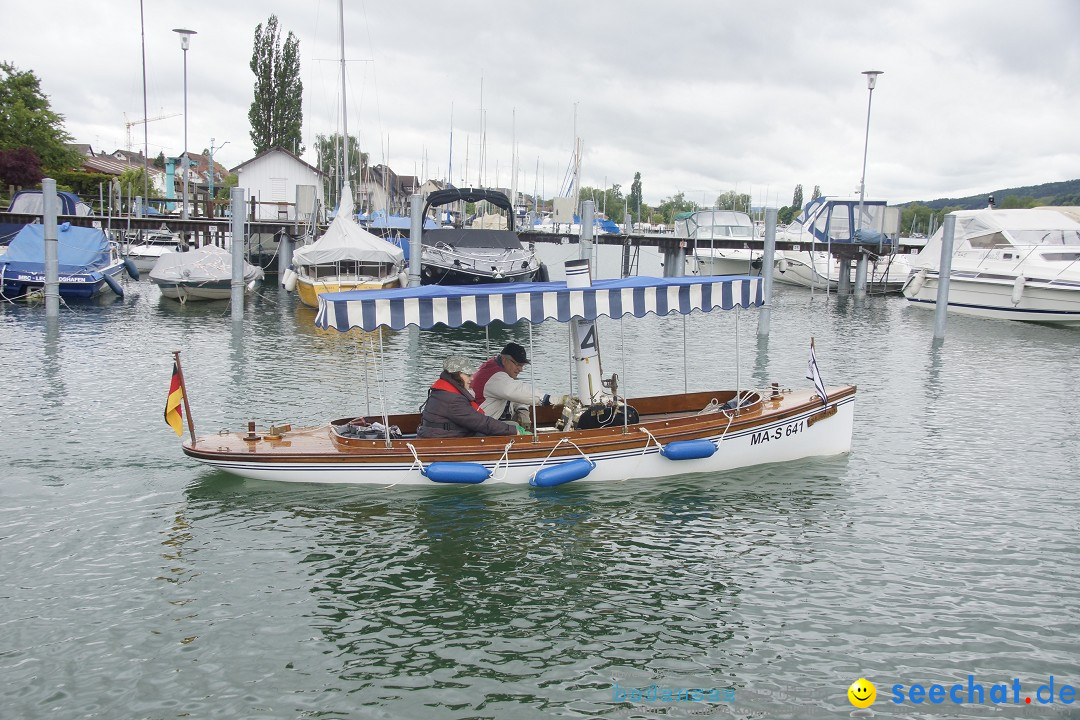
(1040, 301)
(215, 290)
(724, 262)
(803, 268)
(309, 290)
(790, 427)
(78, 286)
(441, 275)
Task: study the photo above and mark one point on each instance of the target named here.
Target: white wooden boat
(648, 437)
(148, 250)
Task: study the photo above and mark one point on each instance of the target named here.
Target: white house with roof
(271, 180)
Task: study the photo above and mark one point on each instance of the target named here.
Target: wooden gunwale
(322, 445)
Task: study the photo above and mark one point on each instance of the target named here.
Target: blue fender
(456, 472)
(688, 449)
(562, 473)
(132, 271)
(113, 283)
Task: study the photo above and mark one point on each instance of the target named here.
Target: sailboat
(346, 257)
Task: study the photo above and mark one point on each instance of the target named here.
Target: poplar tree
(276, 113)
(634, 200)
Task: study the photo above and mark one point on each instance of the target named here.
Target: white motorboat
(828, 224)
(146, 252)
(201, 274)
(707, 228)
(1006, 264)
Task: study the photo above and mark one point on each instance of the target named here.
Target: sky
(701, 98)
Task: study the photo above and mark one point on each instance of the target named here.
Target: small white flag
(813, 374)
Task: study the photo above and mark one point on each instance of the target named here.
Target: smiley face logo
(862, 693)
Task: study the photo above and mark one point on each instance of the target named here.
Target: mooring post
(416, 227)
(860, 275)
(237, 286)
(843, 284)
(52, 257)
(948, 229)
(765, 316)
(625, 272)
(586, 235)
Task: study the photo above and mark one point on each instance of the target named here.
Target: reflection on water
(464, 590)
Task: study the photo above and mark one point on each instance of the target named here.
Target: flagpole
(183, 390)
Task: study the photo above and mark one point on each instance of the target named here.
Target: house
(271, 180)
(383, 189)
(116, 163)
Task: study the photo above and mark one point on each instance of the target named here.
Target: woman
(451, 411)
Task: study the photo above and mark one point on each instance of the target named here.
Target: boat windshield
(465, 238)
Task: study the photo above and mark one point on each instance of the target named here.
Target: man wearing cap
(451, 411)
(500, 394)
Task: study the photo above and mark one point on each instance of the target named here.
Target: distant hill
(1055, 193)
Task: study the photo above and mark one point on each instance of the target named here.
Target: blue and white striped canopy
(431, 305)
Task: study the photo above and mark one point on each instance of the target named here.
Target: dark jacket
(452, 414)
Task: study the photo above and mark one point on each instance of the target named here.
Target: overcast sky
(699, 97)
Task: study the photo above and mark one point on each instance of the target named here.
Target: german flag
(174, 414)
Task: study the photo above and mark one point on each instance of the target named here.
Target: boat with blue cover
(598, 436)
(89, 263)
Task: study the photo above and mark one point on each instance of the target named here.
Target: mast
(344, 105)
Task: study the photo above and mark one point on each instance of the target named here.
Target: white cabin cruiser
(709, 227)
(1006, 264)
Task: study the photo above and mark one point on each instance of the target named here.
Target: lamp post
(185, 41)
(871, 81)
(212, 171)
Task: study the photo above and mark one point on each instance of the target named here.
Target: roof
(276, 148)
(429, 305)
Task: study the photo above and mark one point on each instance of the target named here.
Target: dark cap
(516, 352)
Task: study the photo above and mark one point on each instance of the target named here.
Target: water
(138, 584)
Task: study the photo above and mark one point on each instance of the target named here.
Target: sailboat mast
(344, 105)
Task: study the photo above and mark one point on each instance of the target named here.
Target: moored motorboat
(89, 264)
(599, 435)
(201, 274)
(147, 250)
(1021, 264)
(487, 252)
(713, 232)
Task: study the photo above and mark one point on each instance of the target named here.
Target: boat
(1019, 264)
(89, 263)
(345, 257)
(146, 251)
(32, 202)
(596, 436)
(201, 274)
(831, 224)
(487, 252)
(708, 227)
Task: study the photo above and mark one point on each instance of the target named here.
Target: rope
(505, 456)
(556, 447)
(416, 458)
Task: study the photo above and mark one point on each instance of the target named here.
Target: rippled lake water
(138, 584)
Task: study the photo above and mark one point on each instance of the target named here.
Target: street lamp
(871, 81)
(212, 170)
(185, 41)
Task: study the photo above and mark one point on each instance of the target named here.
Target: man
(500, 394)
(451, 411)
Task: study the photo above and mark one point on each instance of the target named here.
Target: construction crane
(129, 123)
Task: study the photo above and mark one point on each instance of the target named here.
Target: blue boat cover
(79, 249)
(430, 305)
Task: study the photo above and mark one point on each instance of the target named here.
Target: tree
(28, 121)
(796, 198)
(329, 150)
(231, 180)
(20, 166)
(816, 195)
(159, 161)
(733, 201)
(635, 195)
(131, 183)
(276, 113)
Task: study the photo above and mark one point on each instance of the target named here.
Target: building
(271, 180)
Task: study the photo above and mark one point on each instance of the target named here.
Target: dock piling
(52, 257)
(948, 229)
(416, 227)
(765, 315)
(237, 285)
